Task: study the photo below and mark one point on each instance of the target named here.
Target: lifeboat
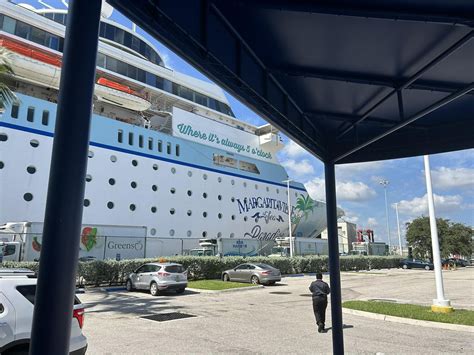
(120, 95)
(39, 66)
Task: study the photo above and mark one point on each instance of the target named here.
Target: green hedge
(111, 272)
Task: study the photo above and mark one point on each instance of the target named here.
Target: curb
(199, 290)
(421, 323)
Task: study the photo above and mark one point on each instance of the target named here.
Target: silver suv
(17, 298)
(158, 277)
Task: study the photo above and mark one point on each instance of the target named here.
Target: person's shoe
(320, 328)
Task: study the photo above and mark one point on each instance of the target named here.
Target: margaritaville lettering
(249, 203)
(188, 130)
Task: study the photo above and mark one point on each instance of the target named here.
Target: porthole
(296, 194)
(188, 233)
(153, 231)
(245, 219)
(256, 187)
(190, 193)
(28, 197)
(172, 211)
(134, 162)
(232, 199)
(219, 215)
(189, 213)
(204, 195)
(190, 173)
(87, 203)
(153, 209)
(172, 190)
(113, 158)
(132, 207)
(90, 154)
(88, 177)
(278, 191)
(233, 217)
(219, 179)
(110, 205)
(3, 137)
(133, 184)
(34, 143)
(232, 235)
(204, 214)
(219, 197)
(154, 187)
(112, 181)
(245, 184)
(204, 176)
(232, 182)
(171, 232)
(219, 235)
(173, 171)
(1, 164)
(155, 166)
(31, 169)
(204, 234)
(268, 189)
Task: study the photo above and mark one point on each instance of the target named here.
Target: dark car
(416, 264)
(454, 261)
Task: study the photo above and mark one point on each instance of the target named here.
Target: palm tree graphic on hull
(304, 205)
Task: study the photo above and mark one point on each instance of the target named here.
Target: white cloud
(355, 191)
(419, 205)
(372, 222)
(446, 178)
(293, 150)
(351, 170)
(300, 168)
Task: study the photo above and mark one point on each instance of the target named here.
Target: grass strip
(216, 285)
(459, 316)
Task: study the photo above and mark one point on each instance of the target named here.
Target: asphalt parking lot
(274, 319)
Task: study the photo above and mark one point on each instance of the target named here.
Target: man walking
(320, 291)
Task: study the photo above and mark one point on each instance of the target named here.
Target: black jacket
(319, 288)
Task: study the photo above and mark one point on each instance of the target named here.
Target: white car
(17, 296)
(158, 277)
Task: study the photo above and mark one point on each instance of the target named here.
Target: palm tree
(6, 95)
(305, 204)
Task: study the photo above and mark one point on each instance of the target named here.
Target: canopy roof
(350, 81)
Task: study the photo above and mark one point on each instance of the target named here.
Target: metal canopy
(337, 76)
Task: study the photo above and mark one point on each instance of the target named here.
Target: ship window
(22, 30)
(219, 215)
(200, 99)
(100, 60)
(204, 195)
(204, 176)
(120, 136)
(188, 233)
(232, 235)
(90, 154)
(232, 182)
(204, 214)
(112, 181)
(31, 169)
(153, 231)
(232, 199)
(132, 207)
(219, 197)
(133, 184)
(155, 166)
(130, 138)
(204, 234)
(38, 36)
(45, 118)
(140, 141)
(160, 146)
(9, 24)
(219, 235)
(110, 205)
(190, 193)
(268, 189)
(190, 173)
(122, 68)
(113, 158)
(135, 44)
(153, 209)
(245, 184)
(88, 178)
(256, 187)
(233, 217)
(34, 143)
(189, 213)
(245, 219)
(134, 162)
(60, 18)
(30, 115)
(3, 137)
(15, 110)
(278, 191)
(224, 161)
(247, 166)
(154, 187)
(172, 211)
(219, 179)
(28, 197)
(173, 190)
(173, 170)
(150, 143)
(168, 148)
(171, 232)
(185, 93)
(111, 64)
(87, 203)
(1, 164)
(177, 150)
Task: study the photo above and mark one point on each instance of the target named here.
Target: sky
(359, 192)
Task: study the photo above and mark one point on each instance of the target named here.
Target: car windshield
(174, 269)
(29, 292)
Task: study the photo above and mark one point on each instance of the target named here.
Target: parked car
(255, 273)
(455, 261)
(158, 277)
(17, 298)
(416, 264)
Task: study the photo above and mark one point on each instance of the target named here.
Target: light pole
(384, 183)
(289, 216)
(398, 227)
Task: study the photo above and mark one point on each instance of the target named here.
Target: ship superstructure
(166, 151)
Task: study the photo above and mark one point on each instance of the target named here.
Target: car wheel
(405, 266)
(226, 277)
(129, 285)
(180, 290)
(427, 267)
(154, 289)
(254, 280)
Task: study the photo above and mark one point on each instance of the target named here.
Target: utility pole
(385, 183)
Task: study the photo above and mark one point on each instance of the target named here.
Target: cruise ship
(166, 151)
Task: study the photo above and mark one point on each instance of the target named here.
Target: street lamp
(398, 227)
(384, 183)
(289, 216)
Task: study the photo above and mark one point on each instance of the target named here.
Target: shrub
(112, 272)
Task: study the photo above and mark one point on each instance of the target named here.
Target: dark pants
(319, 309)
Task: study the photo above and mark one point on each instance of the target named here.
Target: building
(347, 232)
